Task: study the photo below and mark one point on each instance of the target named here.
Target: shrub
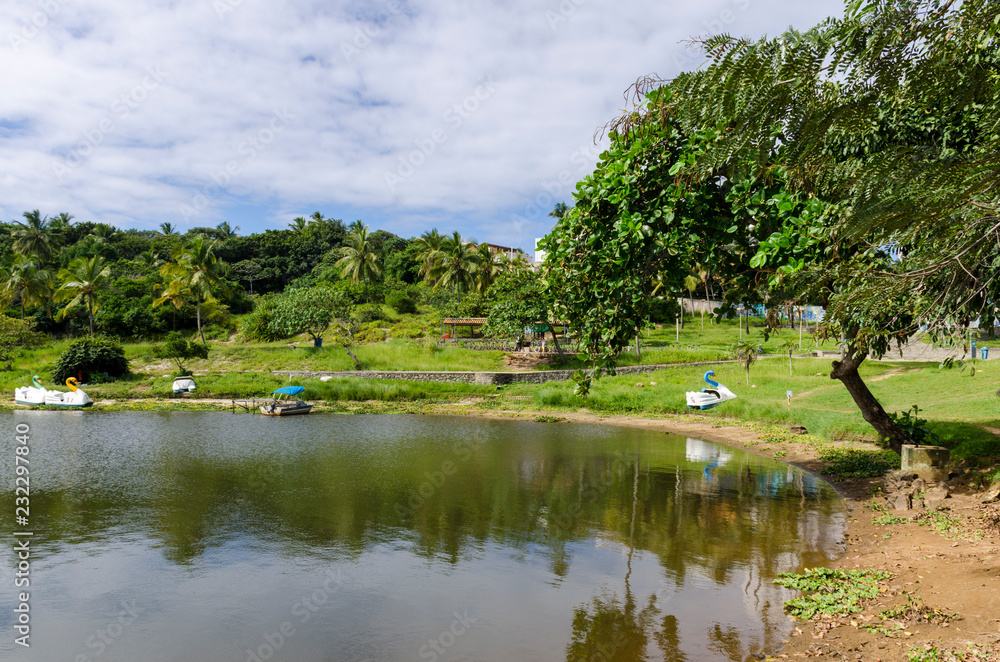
(402, 302)
(90, 359)
(369, 312)
(258, 326)
(370, 334)
(178, 349)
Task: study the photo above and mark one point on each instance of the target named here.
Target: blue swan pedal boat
(709, 397)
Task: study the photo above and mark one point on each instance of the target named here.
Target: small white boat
(709, 397)
(184, 385)
(30, 395)
(281, 405)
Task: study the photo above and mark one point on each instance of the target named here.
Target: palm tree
(35, 236)
(195, 269)
(360, 262)
(167, 229)
(457, 264)
(559, 210)
(103, 233)
(81, 281)
(22, 278)
(745, 352)
(298, 224)
(428, 251)
(226, 231)
(491, 265)
(60, 225)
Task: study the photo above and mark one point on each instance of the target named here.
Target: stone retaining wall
(487, 378)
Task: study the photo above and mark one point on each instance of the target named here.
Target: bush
(257, 326)
(664, 310)
(369, 312)
(178, 349)
(402, 302)
(89, 359)
(370, 334)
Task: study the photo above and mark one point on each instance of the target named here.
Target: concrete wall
(487, 378)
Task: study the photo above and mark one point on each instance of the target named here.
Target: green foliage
(664, 310)
(92, 357)
(402, 301)
(518, 300)
(915, 427)
(309, 310)
(15, 336)
(858, 463)
(178, 349)
(259, 325)
(833, 592)
(369, 312)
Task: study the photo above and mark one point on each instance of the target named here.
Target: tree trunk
(638, 354)
(200, 333)
(555, 341)
(847, 372)
(357, 363)
(90, 315)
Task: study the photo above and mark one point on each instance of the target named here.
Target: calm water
(214, 537)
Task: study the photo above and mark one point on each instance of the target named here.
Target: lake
(204, 536)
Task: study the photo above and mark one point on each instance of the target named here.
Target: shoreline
(947, 562)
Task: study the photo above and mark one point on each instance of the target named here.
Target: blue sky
(469, 116)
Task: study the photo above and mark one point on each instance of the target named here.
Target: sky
(469, 116)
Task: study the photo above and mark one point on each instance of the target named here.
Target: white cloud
(132, 113)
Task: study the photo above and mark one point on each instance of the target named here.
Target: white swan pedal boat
(709, 397)
(38, 395)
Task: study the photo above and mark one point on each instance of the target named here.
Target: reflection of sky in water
(221, 529)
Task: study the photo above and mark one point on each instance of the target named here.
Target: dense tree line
(79, 278)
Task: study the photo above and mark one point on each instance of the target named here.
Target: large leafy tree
(81, 282)
(360, 261)
(860, 159)
(314, 310)
(195, 269)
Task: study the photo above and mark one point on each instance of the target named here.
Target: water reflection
(551, 541)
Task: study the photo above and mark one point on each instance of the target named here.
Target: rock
(919, 484)
(900, 501)
(993, 496)
(798, 429)
(934, 499)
